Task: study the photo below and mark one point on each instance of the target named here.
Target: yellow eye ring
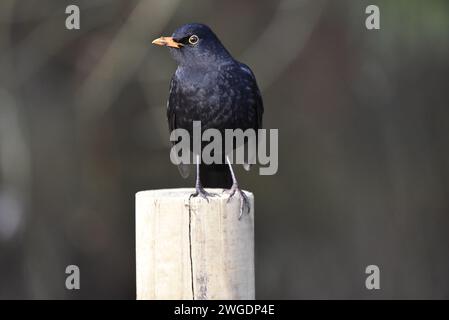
(193, 39)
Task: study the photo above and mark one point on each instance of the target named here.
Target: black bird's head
(195, 44)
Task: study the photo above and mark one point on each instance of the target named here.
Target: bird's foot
(200, 191)
(244, 202)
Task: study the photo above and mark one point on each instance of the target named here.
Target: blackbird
(210, 86)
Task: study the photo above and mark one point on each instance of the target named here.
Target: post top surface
(183, 193)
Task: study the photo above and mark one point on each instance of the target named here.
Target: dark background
(363, 152)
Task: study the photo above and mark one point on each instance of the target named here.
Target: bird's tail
(215, 176)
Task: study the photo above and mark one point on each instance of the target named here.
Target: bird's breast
(215, 98)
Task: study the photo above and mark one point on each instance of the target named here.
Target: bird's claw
(244, 202)
(200, 191)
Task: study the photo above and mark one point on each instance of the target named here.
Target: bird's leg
(244, 202)
(199, 190)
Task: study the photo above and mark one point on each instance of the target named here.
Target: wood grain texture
(193, 249)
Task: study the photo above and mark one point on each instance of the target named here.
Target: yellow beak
(168, 42)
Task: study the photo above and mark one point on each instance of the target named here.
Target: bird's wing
(258, 105)
(172, 103)
(259, 115)
(259, 108)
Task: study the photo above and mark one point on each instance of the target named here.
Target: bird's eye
(193, 39)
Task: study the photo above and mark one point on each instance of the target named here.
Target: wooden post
(193, 249)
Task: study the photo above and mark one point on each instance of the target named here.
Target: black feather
(210, 86)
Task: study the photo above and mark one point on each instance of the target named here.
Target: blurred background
(363, 127)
